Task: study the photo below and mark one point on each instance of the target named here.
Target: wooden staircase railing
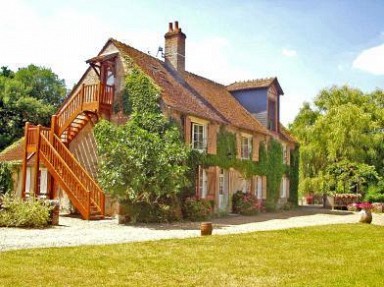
(95, 98)
(82, 190)
(48, 146)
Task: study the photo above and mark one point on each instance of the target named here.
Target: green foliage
(144, 159)
(346, 177)
(245, 203)
(6, 181)
(15, 212)
(31, 94)
(274, 170)
(42, 84)
(294, 176)
(375, 193)
(197, 209)
(344, 125)
(166, 209)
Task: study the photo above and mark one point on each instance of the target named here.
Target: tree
(145, 158)
(31, 94)
(344, 128)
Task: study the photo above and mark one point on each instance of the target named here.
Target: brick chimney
(175, 47)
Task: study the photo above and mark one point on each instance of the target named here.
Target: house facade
(61, 161)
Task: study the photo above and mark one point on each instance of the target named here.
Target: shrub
(375, 193)
(6, 182)
(166, 209)
(245, 203)
(197, 209)
(18, 213)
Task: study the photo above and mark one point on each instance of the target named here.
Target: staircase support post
(37, 162)
(25, 159)
(52, 133)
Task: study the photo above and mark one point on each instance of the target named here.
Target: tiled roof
(192, 94)
(225, 104)
(174, 92)
(14, 152)
(286, 135)
(254, 84)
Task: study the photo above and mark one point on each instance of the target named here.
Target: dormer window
(271, 115)
(246, 146)
(199, 137)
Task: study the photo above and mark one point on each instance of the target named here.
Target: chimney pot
(174, 50)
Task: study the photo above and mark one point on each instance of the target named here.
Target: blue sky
(308, 45)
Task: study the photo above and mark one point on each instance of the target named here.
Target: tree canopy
(31, 94)
(341, 137)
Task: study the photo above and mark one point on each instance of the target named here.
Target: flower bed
(342, 201)
(245, 204)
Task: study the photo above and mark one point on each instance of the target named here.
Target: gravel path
(74, 231)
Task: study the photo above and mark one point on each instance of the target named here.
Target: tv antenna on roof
(160, 50)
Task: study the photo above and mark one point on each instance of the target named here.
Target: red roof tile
(174, 92)
(14, 152)
(254, 84)
(286, 135)
(218, 97)
(192, 94)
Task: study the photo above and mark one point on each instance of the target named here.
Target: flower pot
(206, 228)
(365, 216)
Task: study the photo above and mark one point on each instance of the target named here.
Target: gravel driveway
(74, 231)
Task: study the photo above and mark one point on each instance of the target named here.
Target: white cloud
(210, 58)
(371, 60)
(289, 53)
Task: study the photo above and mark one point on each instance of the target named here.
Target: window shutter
(212, 139)
(187, 131)
(264, 187)
(255, 148)
(212, 180)
(238, 143)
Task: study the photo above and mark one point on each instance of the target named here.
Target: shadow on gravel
(235, 219)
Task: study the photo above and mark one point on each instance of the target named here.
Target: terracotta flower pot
(206, 228)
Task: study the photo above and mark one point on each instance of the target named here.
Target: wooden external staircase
(50, 146)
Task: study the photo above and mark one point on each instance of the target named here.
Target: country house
(60, 161)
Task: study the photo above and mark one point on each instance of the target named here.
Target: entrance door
(223, 190)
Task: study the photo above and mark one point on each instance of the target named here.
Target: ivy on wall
(270, 164)
(294, 176)
(6, 181)
(144, 159)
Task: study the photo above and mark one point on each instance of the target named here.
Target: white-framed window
(285, 154)
(203, 183)
(199, 137)
(246, 147)
(259, 187)
(284, 187)
(245, 185)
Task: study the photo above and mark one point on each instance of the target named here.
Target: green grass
(338, 255)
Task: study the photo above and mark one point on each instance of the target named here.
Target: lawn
(338, 255)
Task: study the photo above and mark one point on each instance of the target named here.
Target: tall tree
(31, 94)
(344, 128)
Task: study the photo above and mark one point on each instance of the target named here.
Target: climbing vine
(294, 176)
(6, 182)
(270, 164)
(144, 159)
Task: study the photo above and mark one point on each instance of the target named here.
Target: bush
(166, 209)
(375, 193)
(245, 203)
(18, 213)
(197, 209)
